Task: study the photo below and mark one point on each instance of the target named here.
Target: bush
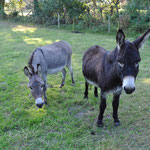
(13, 14)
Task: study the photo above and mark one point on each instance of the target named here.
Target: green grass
(68, 120)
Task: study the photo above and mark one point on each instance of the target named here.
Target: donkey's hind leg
(86, 89)
(63, 77)
(69, 66)
(95, 92)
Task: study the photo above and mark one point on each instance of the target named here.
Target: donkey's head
(36, 84)
(128, 59)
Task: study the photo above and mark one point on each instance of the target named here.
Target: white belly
(91, 82)
(55, 70)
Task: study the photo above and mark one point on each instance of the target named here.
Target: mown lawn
(68, 122)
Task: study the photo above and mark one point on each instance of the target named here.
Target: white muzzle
(39, 102)
(128, 84)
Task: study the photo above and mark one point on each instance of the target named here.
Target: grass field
(68, 122)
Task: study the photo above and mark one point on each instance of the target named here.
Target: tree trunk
(117, 3)
(58, 20)
(101, 12)
(36, 7)
(2, 8)
(94, 6)
(111, 10)
(108, 24)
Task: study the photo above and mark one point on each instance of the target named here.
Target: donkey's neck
(111, 77)
(34, 61)
(114, 55)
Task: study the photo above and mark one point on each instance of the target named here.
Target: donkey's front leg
(45, 94)
(44, 89)
(102, 109)
(115, 105)
(95, 92)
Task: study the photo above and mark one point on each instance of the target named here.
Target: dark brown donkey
(113, 71)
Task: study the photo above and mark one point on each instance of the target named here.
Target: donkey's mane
(30, 62)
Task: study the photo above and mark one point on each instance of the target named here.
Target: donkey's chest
(115, 90)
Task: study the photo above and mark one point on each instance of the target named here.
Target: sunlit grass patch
(146, 81)
(21, 28)
(37, 41)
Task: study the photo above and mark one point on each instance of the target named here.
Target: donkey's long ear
(120, 38)
(39, 70)
(140, 41)
(27, 72)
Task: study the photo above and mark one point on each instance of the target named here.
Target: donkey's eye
(42, 86)
(120, 64)
(136, 65)
(31, 88)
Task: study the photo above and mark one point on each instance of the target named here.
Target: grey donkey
(45, 60)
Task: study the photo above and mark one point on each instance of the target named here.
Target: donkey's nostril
(39, 105)
(129, 90)
(39, 102)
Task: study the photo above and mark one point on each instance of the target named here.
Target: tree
(116, 3)
(138, 12)
(2, 13)
(94, 6)
(36, 7)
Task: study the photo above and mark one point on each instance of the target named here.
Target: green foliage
(2, 13)
(139, 14)
(71, 9)
(15, 5)
(75, 8)
(132, 15)
(14, 14)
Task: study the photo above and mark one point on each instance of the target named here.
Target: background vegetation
(94, 15)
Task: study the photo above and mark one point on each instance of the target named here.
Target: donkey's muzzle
(39, 102)
(128, 84)
(39, 105)
(129, 90)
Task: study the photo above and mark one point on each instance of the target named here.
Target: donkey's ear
(140, 41)
(26, 72)
(39, 69)
(120, 38)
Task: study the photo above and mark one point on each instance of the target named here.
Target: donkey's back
(52, 58)
(57, 55)
(57, 47)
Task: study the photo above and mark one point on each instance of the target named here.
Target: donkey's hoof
(85, 97)
(116, 124)
(61, 85)
(100, 124)
(73, 84)
(96, 96)
(45, 102)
